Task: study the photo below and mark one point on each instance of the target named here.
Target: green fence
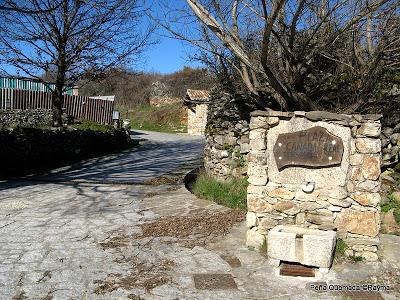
(28, 84)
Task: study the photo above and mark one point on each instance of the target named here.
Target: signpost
(314, 147)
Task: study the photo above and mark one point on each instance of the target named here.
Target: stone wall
(197, 119)
(25, 118)
(390, 139)
(30, 150)
(344, 197)
(227, 135)
(226, 151)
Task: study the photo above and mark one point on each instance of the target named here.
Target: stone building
(197, 104)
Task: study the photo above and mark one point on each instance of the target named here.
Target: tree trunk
(57, 104)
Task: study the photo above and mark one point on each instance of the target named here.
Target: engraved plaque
(314, 147)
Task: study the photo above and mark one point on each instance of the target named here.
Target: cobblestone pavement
(82, 239)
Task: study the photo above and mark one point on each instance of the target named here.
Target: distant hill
(132, 89)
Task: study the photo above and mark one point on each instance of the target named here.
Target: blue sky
(168, 56)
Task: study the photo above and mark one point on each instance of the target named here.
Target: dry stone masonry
(197, 119)
(25, 118)
(338, 189)
(226, 151)
(227, 135)
(390, 139)
(197, 104)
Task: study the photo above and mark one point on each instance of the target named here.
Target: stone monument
(316, 170)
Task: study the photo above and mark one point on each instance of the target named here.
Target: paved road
(84, 232)
(160, 154)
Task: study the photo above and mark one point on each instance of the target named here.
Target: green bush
(230, 193)
(91, 125)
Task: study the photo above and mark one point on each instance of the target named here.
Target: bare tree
(291, 48)
(77, 40)
(22, 7)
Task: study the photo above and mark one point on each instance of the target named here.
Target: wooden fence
(80, 107)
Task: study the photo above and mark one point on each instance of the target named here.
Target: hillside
(134, 92)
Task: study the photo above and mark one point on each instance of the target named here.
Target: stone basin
(310, 247)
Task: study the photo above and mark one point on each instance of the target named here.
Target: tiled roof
(197, 95)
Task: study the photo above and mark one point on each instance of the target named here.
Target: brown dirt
(203, 224)
(115, 242)
(143, 275)
(163, 180)
(151, 194)
(134, 297)
(233, 261)
(170, 189)
(214, 281)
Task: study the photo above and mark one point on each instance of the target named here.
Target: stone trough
(309, 247)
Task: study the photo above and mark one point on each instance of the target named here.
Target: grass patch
(392, 204)
(341, 247)
(356, 258)
(91, 125)
(230, 193)
(167, 118)
(264, 247)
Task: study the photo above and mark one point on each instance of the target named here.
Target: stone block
(368, 145)
(258, 204)
(387, 131)
(258, 157)
(369, 256)
(395, 138)
(273, 121)
(370, 129)
(318, 219)
(287, 207)
(336, 193)
(309, 206)
(256, 170)
(251, 219)
(306, 246)
(257, 144)
(281, 193)
(371, 167)
(258, 180)
(231, 140)
(334, 208)
(359, 222)
(258, 123)
(222, 154)
(300, 218)
(342, 203)
(357, 239)
(355, 174)
(368, 186)
(301, 196)
(254, 238)
(266, 223)
(256, 189)
(356, 159)
(366, 199)
(244, 148)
